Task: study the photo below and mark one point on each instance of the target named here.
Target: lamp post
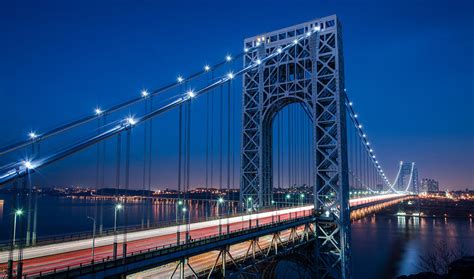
(93, 236)
(184, 219)
(220, 200)
(178, 233)
(288, 196)
(18, 213)
(118, 207)
(302, 198)
(249, 203)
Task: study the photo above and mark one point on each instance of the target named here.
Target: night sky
(409, 66)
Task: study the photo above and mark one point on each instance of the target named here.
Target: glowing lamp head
(246, 50)
(228, 58)
(191, 94)
(180, 79)
(360, 126)
(364, 135)
(295, 41)
(368, 143)
(249, 199)
(350, 104)
(118, 206)
(207, 68)
(19, 212)
(355, 115)
(288, 196)
(98, 111)
(27, 164)
(302, 196)
(317, 28)
(257, 44)
(145, 93)
(308, 34)
(220, 200)
(131, 121)
(273, 202)
(184, 209)
(230, 75)
(258, 61)
(279, 50)
(371, 150)
(180, 202)
(32, 135)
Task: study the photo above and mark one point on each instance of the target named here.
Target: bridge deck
(74, 253)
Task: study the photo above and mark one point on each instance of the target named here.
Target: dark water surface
(382, 246)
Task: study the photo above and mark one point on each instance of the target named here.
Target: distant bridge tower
(407, 179)
(311, 73)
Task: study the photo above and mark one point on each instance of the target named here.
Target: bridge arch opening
(287, 152)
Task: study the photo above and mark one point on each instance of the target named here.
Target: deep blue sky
(409, 64)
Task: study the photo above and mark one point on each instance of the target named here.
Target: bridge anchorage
(336, 172)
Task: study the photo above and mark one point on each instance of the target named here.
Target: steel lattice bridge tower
(310, 73)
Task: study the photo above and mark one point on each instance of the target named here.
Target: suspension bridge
(306, 167)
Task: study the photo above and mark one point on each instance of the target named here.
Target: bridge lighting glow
(249, 198)
(19, 212)
(295, 41)
(27, 164)
(180, 202)
(220, 200)
(360, 126)
(273, 202)
(350, 104)
(230, 75)
(373, 156)
(207, 68)
(258, 43)
(184, 209)
(317, 28)
(371, 150)
(327, 213)
(288, 196)
(246, 50)
(145, 93)
(32, 135)
(368, 143)
(279, 50)
(131, 120)
(191, 94)
(377, 162)
(228, 58)
(180, 79)
(355, 115)
(308, 34)
(364, 135)
(98, 111)
(258, 61)
(302, 196)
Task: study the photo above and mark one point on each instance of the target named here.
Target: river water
(382, 246)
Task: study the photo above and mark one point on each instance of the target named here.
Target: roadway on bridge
(46, 258)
